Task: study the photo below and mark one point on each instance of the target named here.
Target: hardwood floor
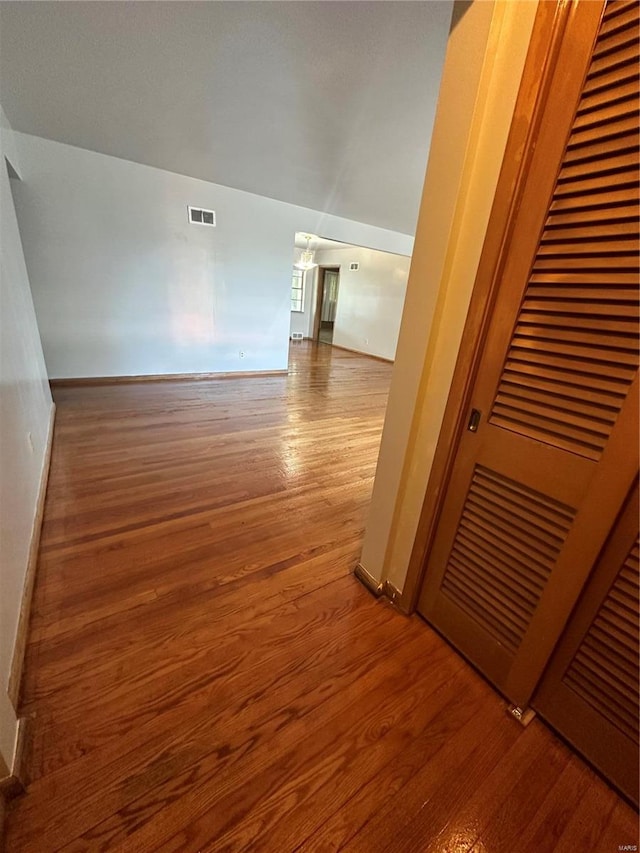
(204, 673)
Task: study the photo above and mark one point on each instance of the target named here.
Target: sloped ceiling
(316, 242)
(328, 105)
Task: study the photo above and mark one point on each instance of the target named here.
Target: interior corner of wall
(9, 146)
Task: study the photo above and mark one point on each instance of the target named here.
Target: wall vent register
(198, 216)
(354, 266)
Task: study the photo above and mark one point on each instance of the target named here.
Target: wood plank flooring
(204, 673)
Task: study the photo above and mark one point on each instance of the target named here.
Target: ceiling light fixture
(306, 257)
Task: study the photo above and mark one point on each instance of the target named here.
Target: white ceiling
(327, 104)
(317, 242)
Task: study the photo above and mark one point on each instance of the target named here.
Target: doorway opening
(327, 301)
(345, 296)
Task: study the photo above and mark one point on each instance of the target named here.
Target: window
(297, 290)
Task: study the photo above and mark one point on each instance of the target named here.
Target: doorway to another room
(346, 296)
(327, 296)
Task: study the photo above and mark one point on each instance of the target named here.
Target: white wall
(370, 299)
(302, 321)
(25, 405)
(123, 285)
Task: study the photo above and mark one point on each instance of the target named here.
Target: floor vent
(297, 336)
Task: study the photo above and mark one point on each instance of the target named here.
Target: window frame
(297, 276)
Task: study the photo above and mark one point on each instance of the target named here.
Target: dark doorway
(327, 300)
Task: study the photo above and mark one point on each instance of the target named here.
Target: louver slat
(592, 252)
(601, 376)
(598, 183)
(601, 154)
(581, 297)
(574, 227)
(573, 350)
(615, 8)
(614, 40)
(602, 98)
(604, 631)
(493, 573)
(540, 399)
(579, 316)
(604, 671)
(581, 167)
(605, 132)
(594, 113)
(609, 61)
(620, 667)
(620, 16)
(607, 80)
(580, 312)
(545, 380)
(624, 340)
(484, 513)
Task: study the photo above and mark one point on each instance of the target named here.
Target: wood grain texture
(360, 352)
(74, 382)
(205, 673)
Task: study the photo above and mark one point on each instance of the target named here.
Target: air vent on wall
(198, 216)
(354, 266)
(296, 336)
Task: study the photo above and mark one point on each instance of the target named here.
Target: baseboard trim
(15, 784)
(374, 586)
(19, 649)
(384, 589)
(162, 377)
(392, 592)
(367, 354)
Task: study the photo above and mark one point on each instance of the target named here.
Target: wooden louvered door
(590, 691)
(538, 484)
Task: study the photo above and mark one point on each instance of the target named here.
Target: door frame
(548, 34)
(322, 268)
